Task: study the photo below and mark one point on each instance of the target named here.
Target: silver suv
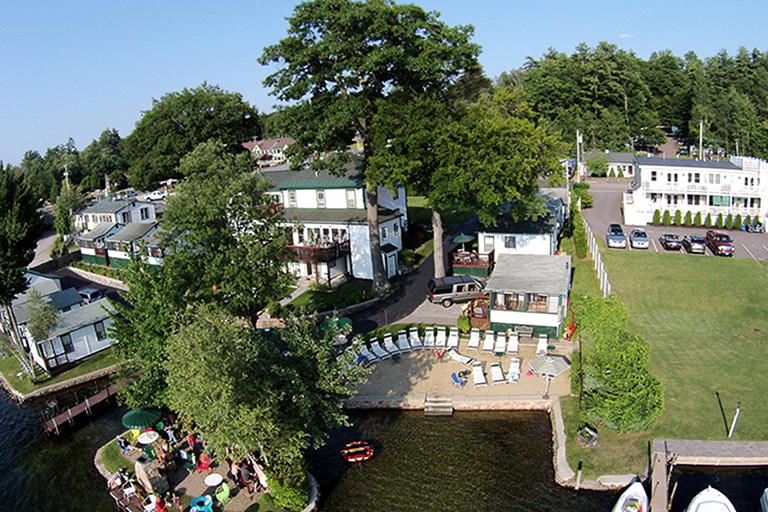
(447, 290)
(615, 237)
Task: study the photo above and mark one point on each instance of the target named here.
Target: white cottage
(112, 211)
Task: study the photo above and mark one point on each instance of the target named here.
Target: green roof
(131, 232)
(283, 178)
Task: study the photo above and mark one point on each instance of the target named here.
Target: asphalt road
(606, 209)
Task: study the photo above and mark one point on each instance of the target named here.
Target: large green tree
(104, 158)
(20, 226)
(178, 122)
(339, 64)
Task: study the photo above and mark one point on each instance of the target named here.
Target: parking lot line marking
(750, 252)
(653, 242)
(766, 248)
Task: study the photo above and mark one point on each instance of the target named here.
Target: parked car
(90, 295)
(695, 244)
(638, 239)
(447, 290)
(615, 237)
(720, 243)
(670, 242)
(157, 195)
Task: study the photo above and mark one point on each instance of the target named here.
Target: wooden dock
(669, 452)
(67, 417)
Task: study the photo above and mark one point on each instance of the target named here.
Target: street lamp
(735, 419)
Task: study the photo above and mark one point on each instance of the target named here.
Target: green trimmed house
(93, 243)
(528, 290)
(112, 211)
(124, 245)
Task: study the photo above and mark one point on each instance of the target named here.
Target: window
(672, 177)
(126, 218)
(291, 199)
(653, 175)
(537, 302)
(384, 233)
(351, 199)
(696, 177)
(515, 301)
(66, 342)
(321, 198)
(144, 212)
(488, 243)
(714, 179)
(101, 333)
(396, 229)
(510, 242)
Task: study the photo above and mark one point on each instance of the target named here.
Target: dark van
(447, 290)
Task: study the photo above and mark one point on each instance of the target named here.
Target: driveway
(606, 209)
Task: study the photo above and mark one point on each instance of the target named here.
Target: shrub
(621, 172)
(666, 219)
(463, 324)
(289, 491)
(580, 190)
(738, 221)
(708, 221)
(598, 166)
(688, 221)
(697, 220)
(59, 247)
(580, 244)
(719, 223)
(319, 287)
(729, 221)
(275, 309)
(656, 218)
(408, 257)
(748, 220)
(678, 218)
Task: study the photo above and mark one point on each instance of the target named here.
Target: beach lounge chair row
(497, 374)
(494, 342)
(439, 337)
(407, 342)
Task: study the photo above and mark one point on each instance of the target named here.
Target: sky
(73, 69)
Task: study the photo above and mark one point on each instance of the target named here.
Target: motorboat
(633, 499)
(710, 500)
(357, 451)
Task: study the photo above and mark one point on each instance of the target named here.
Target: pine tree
(708, 221)
(667, 218)
(656, 218)
(729, 221)
(678, 218)
(688, 221)
(719, 222)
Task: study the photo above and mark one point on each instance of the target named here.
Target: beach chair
(458, 381)
(474, 339)
(402, 342)
(413, 338)
(223, 493)
(488, 341)
(460, 358)
(513, 343)
(497, 374)
(440, 337)
(514, 370)
(478, 377)
(389, 345)
(453, 338)
(365, 357)
(500, 346)
(541, 346)
(377, 350)
(149, 503)
(429, 337)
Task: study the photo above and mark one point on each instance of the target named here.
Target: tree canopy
(178, 122)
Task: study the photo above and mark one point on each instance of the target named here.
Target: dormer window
(321, 198)
(351, 199)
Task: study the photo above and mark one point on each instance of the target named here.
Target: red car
(720, 243)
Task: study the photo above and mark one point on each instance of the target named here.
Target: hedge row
(729, 221)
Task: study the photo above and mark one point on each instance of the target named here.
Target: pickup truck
(720, 243)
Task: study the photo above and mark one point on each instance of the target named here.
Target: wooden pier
(67, 417)
(669, 452)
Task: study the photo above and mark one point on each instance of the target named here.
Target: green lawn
(341, 296)
(705, 319)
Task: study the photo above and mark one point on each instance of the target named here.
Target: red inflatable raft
(357, 451)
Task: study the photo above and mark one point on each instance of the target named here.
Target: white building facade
(735, 187)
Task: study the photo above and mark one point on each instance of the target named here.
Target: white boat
(710, 500)
(764, 501)
(633, 499)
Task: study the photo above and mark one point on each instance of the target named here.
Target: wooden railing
(318, 253)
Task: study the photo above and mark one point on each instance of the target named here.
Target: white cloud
(626, 36)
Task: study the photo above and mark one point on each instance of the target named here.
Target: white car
(157, 195)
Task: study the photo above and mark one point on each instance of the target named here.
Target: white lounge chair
(429, 337)
(465, 360)
(390, 346)
(497, 374)
(488, 341)
(500, 346)
(514, 370)
(541, 346)
(474, 339)
(440, 337)
(365, 356)
(402, 342)
(478, 377)
(453, 338)
(513, 343)
(413, 338)
(377, 350)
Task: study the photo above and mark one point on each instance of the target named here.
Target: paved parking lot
(606, 209)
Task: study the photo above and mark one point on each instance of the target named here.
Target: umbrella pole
(546, 390)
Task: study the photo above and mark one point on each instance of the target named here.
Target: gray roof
(80, 317)
(60, 300)
(687, 163)
(615, 157)
(336, 215)
(44, 283)
(554, 200)
(109, 206)
(531, 273)
(131, 232)
(283, 178)
(100, 230)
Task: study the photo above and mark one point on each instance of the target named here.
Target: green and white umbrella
(142, 418)
(549, 365)
(461, 238)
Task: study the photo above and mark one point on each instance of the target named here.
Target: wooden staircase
(438, 406)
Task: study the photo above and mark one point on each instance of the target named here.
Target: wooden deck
(68, 417)
(669, 452)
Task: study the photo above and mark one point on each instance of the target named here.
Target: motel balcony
(323, 253)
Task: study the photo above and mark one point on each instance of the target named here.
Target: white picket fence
(602, 274)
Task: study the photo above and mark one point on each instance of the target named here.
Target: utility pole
(579, 142)
(701, 139)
